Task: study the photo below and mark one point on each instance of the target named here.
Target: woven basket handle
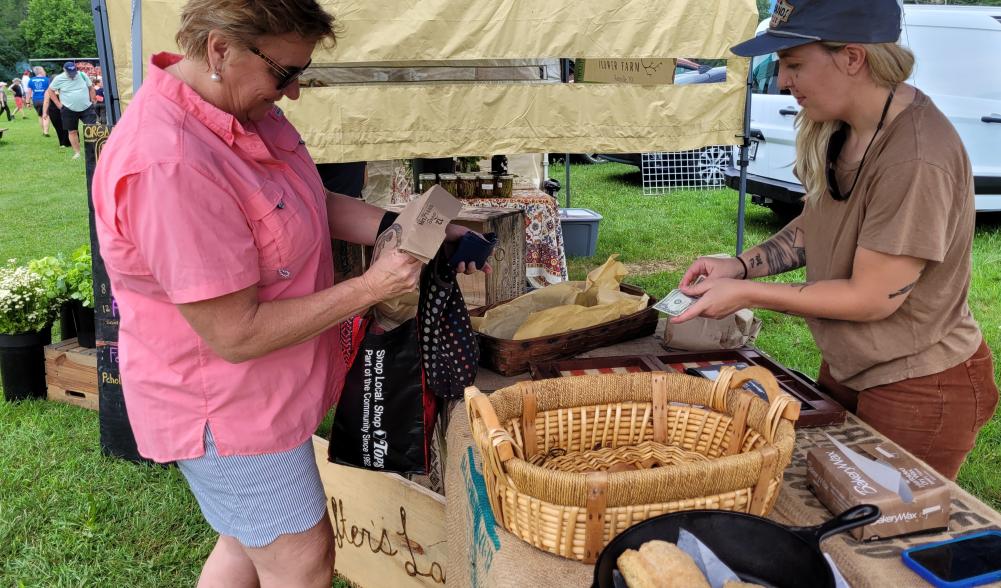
(479, 406)
(771, 386)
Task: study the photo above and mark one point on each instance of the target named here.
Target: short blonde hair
(243, 21)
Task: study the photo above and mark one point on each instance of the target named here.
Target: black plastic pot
(22, 364)
(67, 322)
(83, 317)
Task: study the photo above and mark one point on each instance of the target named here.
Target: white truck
(957, 63)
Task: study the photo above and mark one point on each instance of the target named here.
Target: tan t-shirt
(914, 197)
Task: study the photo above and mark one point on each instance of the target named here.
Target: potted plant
(53, 271)
(79, 280)
(27, 308)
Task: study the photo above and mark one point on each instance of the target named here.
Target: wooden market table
(393, 532)
(497, 554)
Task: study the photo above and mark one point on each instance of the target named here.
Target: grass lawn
(71, 517)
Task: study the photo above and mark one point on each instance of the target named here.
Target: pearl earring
(215, 77)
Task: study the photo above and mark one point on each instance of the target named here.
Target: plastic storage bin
(580, 231)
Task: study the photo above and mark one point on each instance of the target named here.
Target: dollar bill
(675, 303)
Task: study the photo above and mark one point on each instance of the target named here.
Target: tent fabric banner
(436, 30)
(373, 122)
(380, 121)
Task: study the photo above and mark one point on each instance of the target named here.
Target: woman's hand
(718, 297)
(710, 267)
(393, 273)
(455, 232)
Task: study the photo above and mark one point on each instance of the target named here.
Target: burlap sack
(704, 334)
(481, 554)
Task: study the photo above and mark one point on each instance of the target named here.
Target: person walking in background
(18, 90)
(99, 100)
(73, 93)
(4, 106)
(55, 117)
(25, 78)
(38, 84)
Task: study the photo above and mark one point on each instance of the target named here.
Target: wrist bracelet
(387, 221)
(745, 267)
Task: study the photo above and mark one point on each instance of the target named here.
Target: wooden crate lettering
(388, 531)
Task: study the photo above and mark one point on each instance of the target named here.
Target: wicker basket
(570, 463)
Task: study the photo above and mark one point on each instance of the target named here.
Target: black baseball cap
(798, 22)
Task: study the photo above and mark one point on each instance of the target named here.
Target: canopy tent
(390, 121)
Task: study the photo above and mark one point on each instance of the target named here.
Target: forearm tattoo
(801, 285)
(903, 290)
(785, 251)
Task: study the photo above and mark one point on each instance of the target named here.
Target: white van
(957, 63)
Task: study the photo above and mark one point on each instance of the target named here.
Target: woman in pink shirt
(215, 229)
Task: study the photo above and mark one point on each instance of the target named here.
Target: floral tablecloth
(545, 259)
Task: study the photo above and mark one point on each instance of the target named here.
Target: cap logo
(783, 10)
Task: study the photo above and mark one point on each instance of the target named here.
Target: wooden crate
(507, 280)
(71, 373)
(388, 531)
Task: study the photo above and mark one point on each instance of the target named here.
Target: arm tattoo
(802, 285)
(903, 290)
(756, 261)
(785, 251)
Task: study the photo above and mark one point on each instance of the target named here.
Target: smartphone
(967, 561)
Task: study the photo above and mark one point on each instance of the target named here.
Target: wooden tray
(818, 409)
(508, 357)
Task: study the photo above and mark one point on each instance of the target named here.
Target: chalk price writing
(364, 537)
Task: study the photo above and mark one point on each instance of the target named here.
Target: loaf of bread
(659, 564)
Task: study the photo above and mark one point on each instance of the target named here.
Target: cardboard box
(841, 481)
(625, 71)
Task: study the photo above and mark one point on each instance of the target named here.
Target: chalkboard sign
(117, 438)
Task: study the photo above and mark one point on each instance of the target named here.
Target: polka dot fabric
(449, 350)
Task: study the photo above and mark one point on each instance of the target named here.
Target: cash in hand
(676, 303)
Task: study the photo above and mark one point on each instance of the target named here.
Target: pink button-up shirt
(192, 205)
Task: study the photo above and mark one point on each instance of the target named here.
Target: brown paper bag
(704, 334)
(419, 231)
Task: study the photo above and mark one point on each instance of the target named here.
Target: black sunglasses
(285, 75)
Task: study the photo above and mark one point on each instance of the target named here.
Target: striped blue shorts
(256, 498)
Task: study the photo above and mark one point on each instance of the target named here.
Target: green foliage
(58, 28)
(52, 270)
(80, 277)
(763, 10)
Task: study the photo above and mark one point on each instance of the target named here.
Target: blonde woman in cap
(885, 235)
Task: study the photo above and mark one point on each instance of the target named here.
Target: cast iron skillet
(756, 549)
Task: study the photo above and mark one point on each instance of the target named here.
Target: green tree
(763, 9)
(58, 28)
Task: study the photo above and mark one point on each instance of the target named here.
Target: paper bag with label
(422, 223)
(705, 334)
(419, 231)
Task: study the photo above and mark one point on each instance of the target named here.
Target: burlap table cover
(483, 554)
